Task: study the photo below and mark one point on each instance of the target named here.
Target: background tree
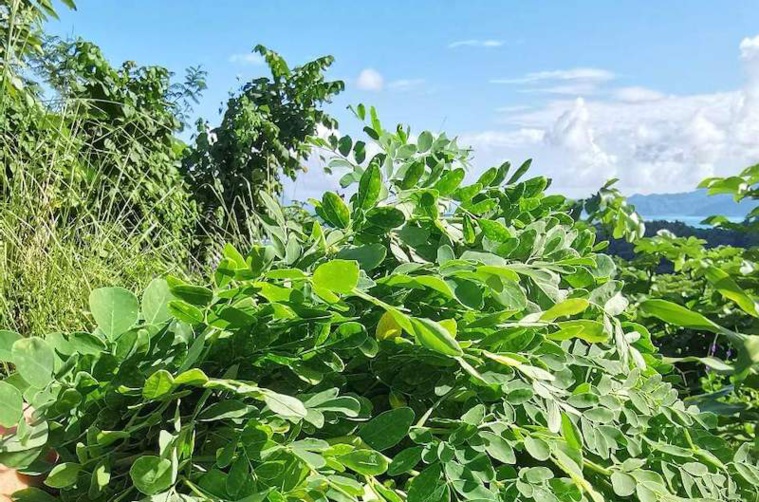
(263, 136)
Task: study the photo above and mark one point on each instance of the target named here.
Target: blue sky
(656, 93)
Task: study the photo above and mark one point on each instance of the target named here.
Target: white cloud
(488, 44)
(512, 108)
(572, 74)
(407, 84)
(570, 82)
(370, 80)
(637, 94)
(252, 59)
(653, 142)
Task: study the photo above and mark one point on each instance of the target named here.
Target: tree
(262, 137)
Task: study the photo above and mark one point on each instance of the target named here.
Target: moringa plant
(423, 340)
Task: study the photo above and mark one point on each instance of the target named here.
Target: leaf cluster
(424, 339)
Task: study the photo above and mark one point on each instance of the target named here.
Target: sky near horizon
(658, 94)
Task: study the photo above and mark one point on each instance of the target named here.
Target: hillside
(696, 203)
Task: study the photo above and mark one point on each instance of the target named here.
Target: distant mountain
(689, 204)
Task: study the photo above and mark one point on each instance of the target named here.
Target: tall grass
(65, 227)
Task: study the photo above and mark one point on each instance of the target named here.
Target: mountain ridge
(695, 203)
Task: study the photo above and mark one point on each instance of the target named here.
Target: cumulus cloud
(370, 80)
(653, 142)
(487, 44)
(251, 59)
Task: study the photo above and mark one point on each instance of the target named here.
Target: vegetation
(415, 339)
(97, 188)
(422, 341)
(263, 136)
(719, 284)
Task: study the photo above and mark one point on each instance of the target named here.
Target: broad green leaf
(7, 339)
(11, 405)
(405, 461)
(34, 361)
(450, 181)
(366, 462)
(520, 172)
(385, 217)
(158, 385)
(63, 475)
(388, 428)
(32, 495)
(679, 316)
(590, 331)
(424, 142)
(728, 288)
(339, 276)
(568, 307)
(185, 312)
(428, 486)
(388, 328)
(486, 178)
(570, 433)
(335, 211)
(85, 343)
(498, 448)
(369, 187)
(194, 295)
(115, 310)
(412, 175)
(623, 484)
(151, 474)
(537, 448)
(435, 337)
(494, 230)
(369, 256)
(285, 406)
(155, 302)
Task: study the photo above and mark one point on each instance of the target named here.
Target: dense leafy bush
(422, 341)
(263, 136)
(719, 286)
(92, 190)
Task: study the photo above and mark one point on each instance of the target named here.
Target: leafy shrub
(262, 137)
(422, 341)
(719, 288)
(743, 186)
(91, 187)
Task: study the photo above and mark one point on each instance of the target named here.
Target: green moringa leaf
(151, 474)
(7, 339)
(728, 288)
(435, 337)
(385, 217)
(158, 385)
(335, 211)
(34, 360)
(388, 428)
(339, 276)
(155, 302)
(369, 187)
(115, 310)
(11, 405)
(678, 315)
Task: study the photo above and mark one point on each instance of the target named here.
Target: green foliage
(477, 350)
(91, 188)
(700, 305)
(263, 135)
(743, 186)
(21, 36)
